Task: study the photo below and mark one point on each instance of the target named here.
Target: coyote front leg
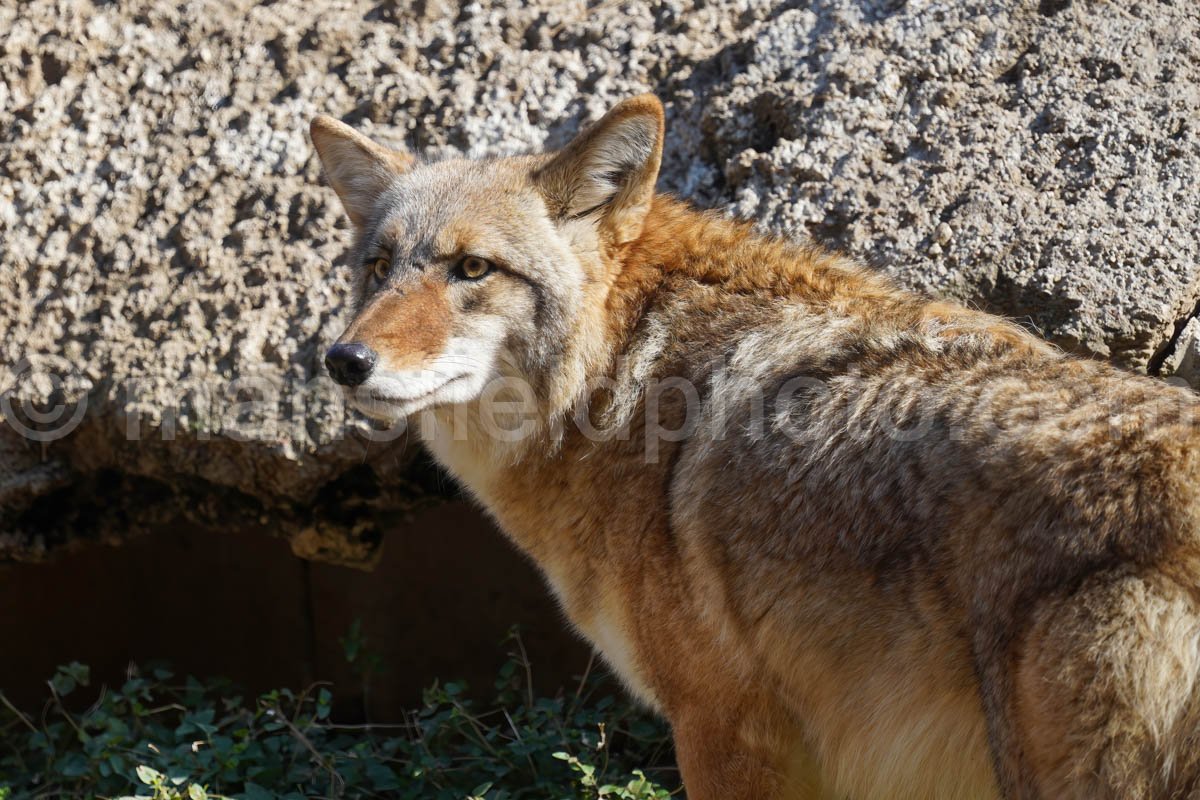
(726, 755)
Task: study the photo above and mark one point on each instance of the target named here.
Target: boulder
(171, 266)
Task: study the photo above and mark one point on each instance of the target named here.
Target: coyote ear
(609, 170)
(358, 169)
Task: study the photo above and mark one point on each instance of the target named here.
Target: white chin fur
(451, 379)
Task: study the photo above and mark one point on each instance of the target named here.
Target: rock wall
(169, 263)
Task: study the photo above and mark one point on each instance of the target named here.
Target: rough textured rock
(166, 248)
(1037, 161)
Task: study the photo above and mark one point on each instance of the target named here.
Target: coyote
(849, 541)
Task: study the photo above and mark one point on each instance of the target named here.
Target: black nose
(350, 362)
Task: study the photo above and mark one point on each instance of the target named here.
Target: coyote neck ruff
(849, 541)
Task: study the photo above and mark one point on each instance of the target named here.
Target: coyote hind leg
(1107, 691)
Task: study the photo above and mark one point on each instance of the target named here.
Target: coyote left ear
(358, 169)
(609, 170)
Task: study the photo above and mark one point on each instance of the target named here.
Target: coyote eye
(379, 268)
(473, 268)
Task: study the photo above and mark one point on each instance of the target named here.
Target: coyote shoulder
(850, 541)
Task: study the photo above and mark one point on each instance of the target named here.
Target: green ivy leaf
(252, 791)
(148, 775)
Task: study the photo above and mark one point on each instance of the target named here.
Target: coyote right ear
(358, 169)
(609, 170)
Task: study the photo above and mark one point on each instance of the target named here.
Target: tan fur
(894, 548)
(406, 328)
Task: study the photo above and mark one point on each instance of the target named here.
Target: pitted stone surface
(167, 250)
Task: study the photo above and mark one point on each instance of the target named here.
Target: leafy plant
(165, 788)
(160, 738)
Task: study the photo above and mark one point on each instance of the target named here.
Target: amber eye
(473, 268)
(380, 267)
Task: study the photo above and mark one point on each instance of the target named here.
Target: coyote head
(469, 271)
